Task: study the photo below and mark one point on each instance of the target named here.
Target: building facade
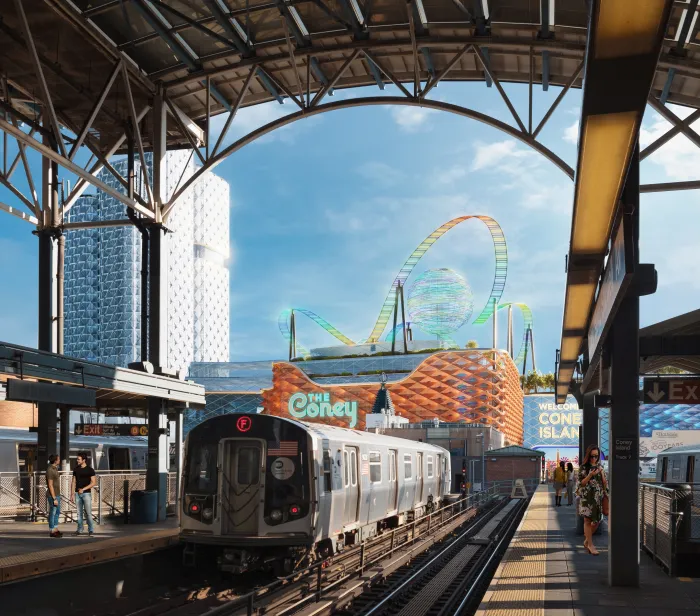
(103, 273)
(476, 386)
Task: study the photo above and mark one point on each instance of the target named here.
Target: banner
(664, 439)
(548, 424)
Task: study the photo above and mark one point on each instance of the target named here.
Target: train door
(419, 479)
(240, 484)
(118, 458)
(664, 469)
(391, 505)
(352, 489)
(690, 469)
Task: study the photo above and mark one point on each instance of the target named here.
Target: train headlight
(207, 513)
(276, 515)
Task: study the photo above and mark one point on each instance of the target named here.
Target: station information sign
(672, 391)
(83, 429)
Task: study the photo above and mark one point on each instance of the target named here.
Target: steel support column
(623, 558)
(47, 432)
(64, 449)
(157, 469)
(179, 437)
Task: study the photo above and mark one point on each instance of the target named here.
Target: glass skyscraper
(103, 272)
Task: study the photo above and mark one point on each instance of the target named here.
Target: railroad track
(331, 585)
(449, 581)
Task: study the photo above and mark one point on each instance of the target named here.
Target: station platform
(27, 551)
(547, 572)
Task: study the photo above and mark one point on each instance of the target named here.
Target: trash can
(144, 507)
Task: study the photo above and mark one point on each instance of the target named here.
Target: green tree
(472, 344)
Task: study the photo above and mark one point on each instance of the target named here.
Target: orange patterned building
(470, 385)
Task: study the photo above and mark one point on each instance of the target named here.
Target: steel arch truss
(527, 325)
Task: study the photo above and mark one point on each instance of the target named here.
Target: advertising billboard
(551, 425)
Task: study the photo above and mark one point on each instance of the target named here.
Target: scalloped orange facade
(474, 386)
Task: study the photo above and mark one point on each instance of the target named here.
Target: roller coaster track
(499, 281)
(284, 320)
(527, 324)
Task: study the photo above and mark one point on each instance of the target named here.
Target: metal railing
(504, 487)
(24, 495)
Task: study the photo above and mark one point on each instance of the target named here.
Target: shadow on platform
(546, 571)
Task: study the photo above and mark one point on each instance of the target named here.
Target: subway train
(270, 492)
(677, 464)
(18, 451)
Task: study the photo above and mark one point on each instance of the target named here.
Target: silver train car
(275, 492)
(678, 464)
(18, 451)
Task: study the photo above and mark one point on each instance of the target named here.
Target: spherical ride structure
(439, 302)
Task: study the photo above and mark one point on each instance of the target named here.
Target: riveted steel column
(623, 557)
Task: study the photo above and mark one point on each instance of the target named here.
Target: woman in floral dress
(592, 487)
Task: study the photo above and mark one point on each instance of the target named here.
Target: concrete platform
(27, 551)
(547, 572)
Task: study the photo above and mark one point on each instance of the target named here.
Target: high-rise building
(103, 272)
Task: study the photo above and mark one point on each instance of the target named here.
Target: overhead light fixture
(579, 298)
(621, 32)
(606, 145)
(570, 347)
(297, 20)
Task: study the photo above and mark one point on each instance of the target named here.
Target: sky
(325, 211)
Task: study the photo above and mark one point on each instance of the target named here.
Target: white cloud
(571, 133)
(410, 119)
(679, 157)
(450, 175)
(380, 173)
(519, 169)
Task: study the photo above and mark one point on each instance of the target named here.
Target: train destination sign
(83, 429)
(672, 391)
(303, 406)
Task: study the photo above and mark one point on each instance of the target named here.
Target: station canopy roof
(259, 45)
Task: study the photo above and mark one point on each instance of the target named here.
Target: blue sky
(325, 211)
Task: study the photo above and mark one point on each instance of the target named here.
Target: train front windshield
(201, 472)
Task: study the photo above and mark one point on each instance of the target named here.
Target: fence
(670, 522)
(505, 486)
(24, 495)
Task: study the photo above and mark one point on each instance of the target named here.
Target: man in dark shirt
(81, 485)
(53, 495)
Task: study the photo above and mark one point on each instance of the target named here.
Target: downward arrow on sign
(655, 394)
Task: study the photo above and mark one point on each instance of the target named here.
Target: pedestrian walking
(81, 491)
(559, 482)
(53, 495)
(570, 483)
(593, 490)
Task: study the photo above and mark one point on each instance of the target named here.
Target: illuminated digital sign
(302, 405)
(551, 425)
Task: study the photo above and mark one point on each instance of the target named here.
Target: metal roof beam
(268, 85)
(290, 14)
(686, 26)
(481, 16)
(156, 21)
(486, 61)
(667, 86)
(545, 70)
(357, 19)
(226, 23)
(427, 56)
(320, 75)
(376, 73)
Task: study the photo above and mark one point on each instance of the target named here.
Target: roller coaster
(286, 317)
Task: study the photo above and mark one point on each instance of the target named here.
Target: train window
(407, 472)
(353, 467)
(664, 469)
(430, 467)
(248, 466)
(346, 467)
(676, 469)
(201, 469)
(327, 470)
(375, 467)
(392, 466)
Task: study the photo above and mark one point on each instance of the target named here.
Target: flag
(283, 448)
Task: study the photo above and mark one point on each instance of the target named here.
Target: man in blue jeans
(53, 495)
(81, 490)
